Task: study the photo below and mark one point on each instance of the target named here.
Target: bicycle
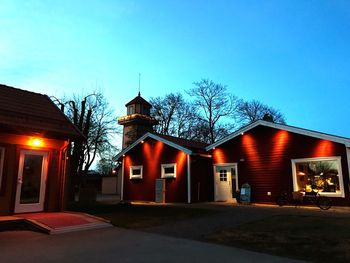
(300, 198)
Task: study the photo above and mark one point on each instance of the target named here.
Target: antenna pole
(139, 84)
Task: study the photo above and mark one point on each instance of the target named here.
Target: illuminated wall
(264, 157)
(151, 154)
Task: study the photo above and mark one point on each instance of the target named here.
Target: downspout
(122, 182)
(62, 171)
(188, 179)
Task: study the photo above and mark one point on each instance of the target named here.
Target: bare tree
(215, 104)
(251, 111)
(176, 116)
(93, 117)
(164, 110)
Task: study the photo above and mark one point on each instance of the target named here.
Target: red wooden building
(34, 136)
(274, 158)
(181, 165)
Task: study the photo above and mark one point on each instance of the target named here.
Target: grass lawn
(322, 239)
(141, 216)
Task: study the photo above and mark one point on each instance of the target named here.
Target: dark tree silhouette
(215, 104)
(251, 111)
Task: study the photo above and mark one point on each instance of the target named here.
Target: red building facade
(271, 158)
(34, 140)
(174, 161)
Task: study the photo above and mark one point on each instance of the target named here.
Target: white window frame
(2, 157)
(317, 159)
(168, 165)
(138, 176)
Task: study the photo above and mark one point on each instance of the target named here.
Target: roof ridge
(176, 137)
(22, 90)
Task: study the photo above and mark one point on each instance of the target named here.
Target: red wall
(13, 144)
(151, 154)
(264, 158)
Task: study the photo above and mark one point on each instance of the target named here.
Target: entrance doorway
(31, 181)
(226, 181)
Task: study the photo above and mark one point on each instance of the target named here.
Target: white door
(225, 181)
(31, 181)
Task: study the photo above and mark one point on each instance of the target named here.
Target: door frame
(35, 207)
(225, 165)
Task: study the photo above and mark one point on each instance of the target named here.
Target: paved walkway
(118, 245)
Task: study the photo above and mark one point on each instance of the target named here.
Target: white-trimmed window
(136, 172)
(2, 155)
(323, 175)
(169, 170)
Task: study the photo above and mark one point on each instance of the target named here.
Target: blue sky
(292, 55)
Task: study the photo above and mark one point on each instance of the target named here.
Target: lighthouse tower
(138, 120)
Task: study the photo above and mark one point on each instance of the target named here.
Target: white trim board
(319, 135)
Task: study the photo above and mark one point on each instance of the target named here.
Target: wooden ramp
(54, 223)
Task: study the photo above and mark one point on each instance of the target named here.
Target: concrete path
(117, 245)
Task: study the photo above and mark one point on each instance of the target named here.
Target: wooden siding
(151, 154)
(264, 158)
(13, 144)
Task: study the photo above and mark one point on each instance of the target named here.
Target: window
(169, 170)
(2, 154)
(131, 110)
(223, 175)
(319, 174)
(136, 172)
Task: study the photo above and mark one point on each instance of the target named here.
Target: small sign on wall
(160, 190)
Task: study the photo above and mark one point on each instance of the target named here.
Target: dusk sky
(292, 55)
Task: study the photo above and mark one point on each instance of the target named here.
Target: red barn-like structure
(180, 163)
(272, 158)
(34, 140)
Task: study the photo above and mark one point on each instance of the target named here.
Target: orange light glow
(36, 142)
(323, 149)
(219, 156)
(280, 142)
(181, 162)
(250, 149)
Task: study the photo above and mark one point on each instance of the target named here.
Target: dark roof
(138, 100)
(189, 144)
(24, 112)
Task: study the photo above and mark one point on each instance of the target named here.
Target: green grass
(322, 239)
(141, 216)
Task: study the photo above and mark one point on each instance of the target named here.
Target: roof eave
(297, 130)
(155, 137)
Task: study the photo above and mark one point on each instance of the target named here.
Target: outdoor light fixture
(142, 141)
(242, 133)
(36, 142)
